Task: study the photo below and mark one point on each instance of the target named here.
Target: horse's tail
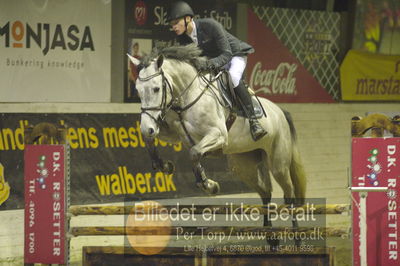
(297, 173)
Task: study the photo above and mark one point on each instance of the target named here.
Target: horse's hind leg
(266, 186)
(252, 169)
(282, 176)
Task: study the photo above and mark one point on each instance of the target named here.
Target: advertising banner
(375, 163)
(377, 26)
(148, 19)
(147, 27)
(45, 205)
(55, 51)
(370, 77)
(109, 161)
(275, 73)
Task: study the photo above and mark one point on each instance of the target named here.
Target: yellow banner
(370, 77)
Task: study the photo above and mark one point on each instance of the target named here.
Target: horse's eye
(156, 89)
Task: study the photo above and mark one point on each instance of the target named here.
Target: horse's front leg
(157, 163)
(206, 184)
(212, 141)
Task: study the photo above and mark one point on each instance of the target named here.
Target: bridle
(164, 107)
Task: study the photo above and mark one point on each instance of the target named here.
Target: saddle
(230, 99)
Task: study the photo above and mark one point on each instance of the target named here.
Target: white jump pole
(363, 192)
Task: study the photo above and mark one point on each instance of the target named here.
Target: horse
(180, 103)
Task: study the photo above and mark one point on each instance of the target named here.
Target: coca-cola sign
(274, 72)
(281, 80)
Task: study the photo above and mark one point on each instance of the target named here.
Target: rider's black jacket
(216, 43)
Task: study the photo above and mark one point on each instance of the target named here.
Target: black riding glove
(211, 67)
(205, 66)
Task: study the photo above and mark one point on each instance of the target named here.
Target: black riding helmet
(179, 9)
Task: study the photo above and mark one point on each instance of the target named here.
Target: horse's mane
(190, 54)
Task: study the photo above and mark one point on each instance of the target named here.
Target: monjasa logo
(46, 36)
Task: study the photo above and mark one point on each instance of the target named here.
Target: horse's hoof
(169, 168)
(216, 188)
(209, 186)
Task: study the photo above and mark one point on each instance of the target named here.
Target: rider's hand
(203, 65)
(207, 67)
(211, 67)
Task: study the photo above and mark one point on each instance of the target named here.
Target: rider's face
(178, 26)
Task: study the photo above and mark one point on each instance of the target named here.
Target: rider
(223, 49)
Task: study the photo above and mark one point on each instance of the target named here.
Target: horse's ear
(160, 60)
(134, 60)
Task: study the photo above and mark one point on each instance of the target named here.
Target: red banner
(277, 74)
(376, 163)
(45, 220)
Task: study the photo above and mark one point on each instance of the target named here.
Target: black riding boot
(257, 131)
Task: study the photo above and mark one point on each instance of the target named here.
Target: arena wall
(324, 139)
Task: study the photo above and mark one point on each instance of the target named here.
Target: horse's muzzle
(151, 132)
(149, 125)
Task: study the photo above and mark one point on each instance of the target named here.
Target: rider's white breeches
(236, 68)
